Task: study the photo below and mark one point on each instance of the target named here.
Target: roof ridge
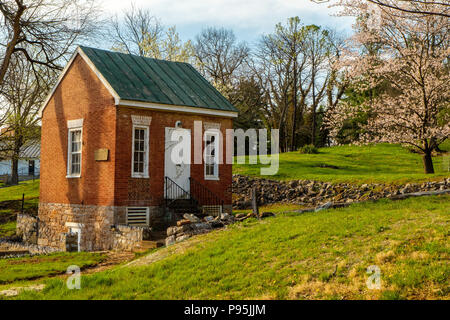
(131, 54)
(137, 78)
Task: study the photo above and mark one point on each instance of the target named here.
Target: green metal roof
(157, 81)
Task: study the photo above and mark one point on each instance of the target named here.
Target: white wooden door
(178, 172)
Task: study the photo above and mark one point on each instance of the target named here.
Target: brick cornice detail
(141, 120)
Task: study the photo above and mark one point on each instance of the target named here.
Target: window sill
(140, 177)
(73, 177)
(212, 178)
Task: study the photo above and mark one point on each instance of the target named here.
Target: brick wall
(80, 95)
(149, 191)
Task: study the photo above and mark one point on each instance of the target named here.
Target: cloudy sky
(248, 18)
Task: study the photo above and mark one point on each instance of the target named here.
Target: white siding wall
(5, 167)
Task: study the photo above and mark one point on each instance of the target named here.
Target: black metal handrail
(204, 196)
(173, 192)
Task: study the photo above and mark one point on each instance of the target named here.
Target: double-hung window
(140, 152)
(75, 146)
(211, 155)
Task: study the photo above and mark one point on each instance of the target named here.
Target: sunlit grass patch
(26, 268)
(322, 255)
(382, 163)
(7, 229)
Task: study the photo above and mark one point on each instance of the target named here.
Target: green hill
(382, 163)
(321, 255)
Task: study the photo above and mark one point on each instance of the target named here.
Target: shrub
(309, 149)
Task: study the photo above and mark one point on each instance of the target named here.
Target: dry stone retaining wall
(31, 248)
(128, 237)
(27, 228)
(314, 193)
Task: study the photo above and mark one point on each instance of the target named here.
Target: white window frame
(214, 133)
(145, 174)
(75, 125)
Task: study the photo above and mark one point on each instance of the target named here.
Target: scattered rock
(16, 247)
(225, 216)
(170, 240)
(266, 215)
(191, 217)
(216, 224)
(182, 238)
(183, 222)
(325, 206)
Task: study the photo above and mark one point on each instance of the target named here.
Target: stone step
(147, 245)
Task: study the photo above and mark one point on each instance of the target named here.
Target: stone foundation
(100, 227)
(91, 228)
(94, 222)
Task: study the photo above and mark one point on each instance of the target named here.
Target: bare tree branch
(43, 31)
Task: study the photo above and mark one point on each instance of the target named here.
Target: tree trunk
(294, 118)
(313, 127)
(15, 157)
(15, 171)
(428, 162)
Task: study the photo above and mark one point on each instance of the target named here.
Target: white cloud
(248, 18)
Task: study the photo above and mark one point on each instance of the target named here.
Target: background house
(29, 162)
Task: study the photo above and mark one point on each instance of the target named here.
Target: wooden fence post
(23, 200)
(255, 202)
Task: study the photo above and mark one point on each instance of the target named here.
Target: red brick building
(107, 141)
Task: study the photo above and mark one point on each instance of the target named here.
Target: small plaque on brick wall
(101, 154)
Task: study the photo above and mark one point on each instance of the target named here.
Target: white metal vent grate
(138, 216)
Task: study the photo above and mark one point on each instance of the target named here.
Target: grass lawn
(7, 229)
(274, 208)
(295, 256)
(11, 203)
(382, 163)
(28, 268)
(29, 188)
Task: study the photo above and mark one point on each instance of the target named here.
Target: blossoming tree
(408, 56)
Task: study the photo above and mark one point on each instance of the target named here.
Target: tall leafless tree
(43, 32)
(23, 94)
(317, 49)
(130, 33)
(296, 67)
(140, 33)
(281, 67)
(219, 57)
